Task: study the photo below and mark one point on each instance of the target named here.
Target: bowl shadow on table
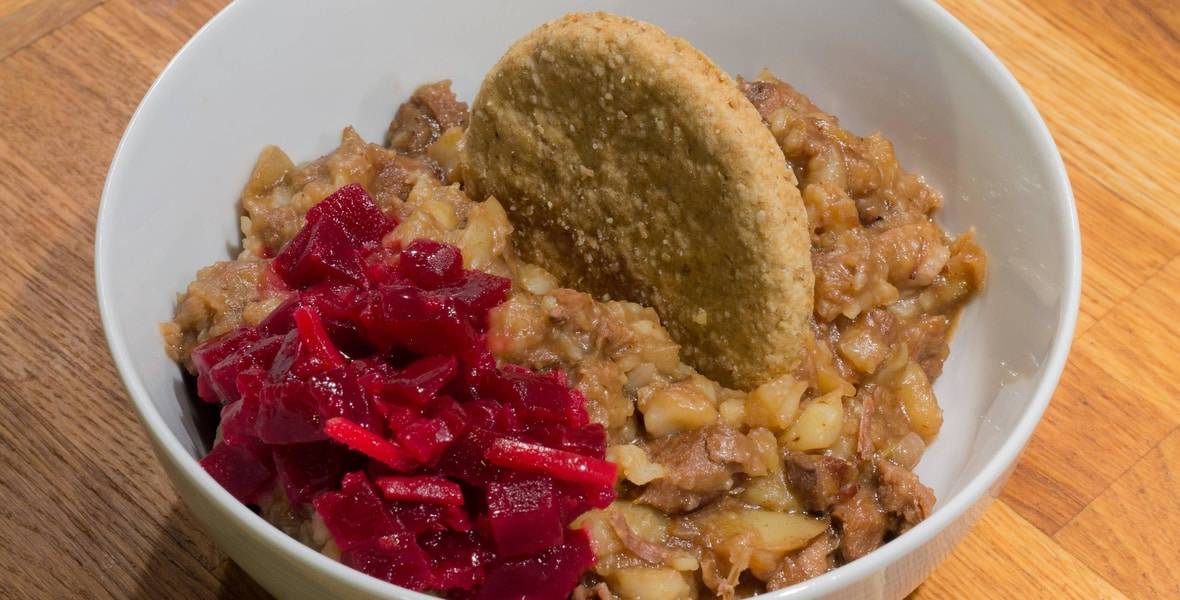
(184, 563)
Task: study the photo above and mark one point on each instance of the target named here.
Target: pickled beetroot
(353, 209)
(355, 516)
(560, 464)
(320, 251)
(370, 396)
(305, 470)
(395, 558)
(239, 471)
(523, 517)
(432, 264)
(370, 444)
(210, 353)
(421, 488)
(425, 439)
(222, 378)
(457, 559)
(548, 575)
(421, 381)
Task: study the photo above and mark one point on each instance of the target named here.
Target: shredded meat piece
(903, 496)
(820, 481)
(801, 565)
(700, 465)
(727, 445)
(698, 460)
(926, 339)
(769, 96)
(667, 497)
(431, 110)
(915, 253)
(638, 545)
(862, 524)
(395, 178)
(725, 587)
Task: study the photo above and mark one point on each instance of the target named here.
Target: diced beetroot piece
(548, 575)
(399, 416)
(355, 515)
(315, 338)
(574, 499)
(288, 413)
(305, 470)
(421, 488)
(370, 444)
(320, 251)
(477, 369)
(400, 316)
(588, 440)
(482, 414)
(355, 211)
(431, 264)
(476, 294)
(280, 321)
(249, 382)
(338, 393)
(425, 439)
(238, 421)
(332, 301)
(335, 303)
(452, 414)
(421, 517)
(464, 459)
(559, 464)
(457, 559)
(421, 380)
(222, 378)
(239, 471)
(523, 517)
(381, 267)
(575, 412)
(211, 352)
(302, 357)
(397, 559)
(538, 395)
(507, 420)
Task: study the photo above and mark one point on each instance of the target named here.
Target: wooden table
(1091, 512)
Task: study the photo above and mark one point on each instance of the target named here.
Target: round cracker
(633, 168)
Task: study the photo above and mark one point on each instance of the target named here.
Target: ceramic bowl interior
(293, 74)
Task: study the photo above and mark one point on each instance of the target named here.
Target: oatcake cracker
(634, 168)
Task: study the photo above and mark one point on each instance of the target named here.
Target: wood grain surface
(1092, 511)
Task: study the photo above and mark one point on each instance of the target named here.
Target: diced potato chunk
(641, 583)
(774, 404)
(758, 530)
(681, 406)
(647, 522)
(634, 464)
(916, 395)
(818, 426)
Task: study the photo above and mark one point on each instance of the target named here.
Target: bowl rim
(169, 448)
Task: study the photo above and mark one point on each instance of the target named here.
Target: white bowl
(294, 74)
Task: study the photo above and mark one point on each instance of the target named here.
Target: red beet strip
(421, 488)
(567, 466)
(368, 443)
(311, 330)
